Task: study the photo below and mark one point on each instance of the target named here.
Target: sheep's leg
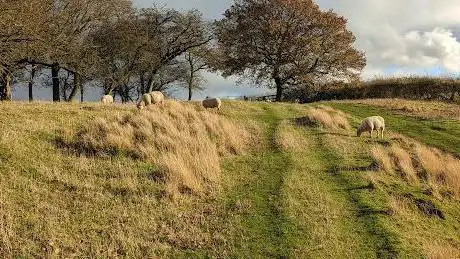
(382, 133)
(371, 131)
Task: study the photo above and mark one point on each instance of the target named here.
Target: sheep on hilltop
(212, 103)
(155, 97)
(107, 99)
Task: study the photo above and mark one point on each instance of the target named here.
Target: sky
(411, 37)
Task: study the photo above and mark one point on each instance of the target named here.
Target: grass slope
(299, 192)
(438, 132)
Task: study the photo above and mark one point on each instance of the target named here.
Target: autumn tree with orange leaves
(286, 43)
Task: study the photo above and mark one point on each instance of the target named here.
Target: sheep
(140, 105)
(147, 99)
(370, 124)
(107, 99)
(212, 103)
(154, 97)
(157, 97)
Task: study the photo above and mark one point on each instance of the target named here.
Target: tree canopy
(286, 43)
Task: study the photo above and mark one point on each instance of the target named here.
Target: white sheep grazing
(212, 103)
(157, 97)
(107, 99)
(147, 99)
(370, 124)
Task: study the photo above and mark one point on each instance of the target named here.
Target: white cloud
(404, 36)
(437, 47)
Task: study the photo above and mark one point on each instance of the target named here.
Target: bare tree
(120, 46)
(22, 27)
(196, 62)
(171, 34)
(283, 43)
(69, 24)
(146, 48)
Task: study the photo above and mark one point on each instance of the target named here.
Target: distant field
(254, 180)
(435, 124)
(423, 109)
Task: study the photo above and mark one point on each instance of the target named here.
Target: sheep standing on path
(212, 103)
(107, 99)
(370, 124)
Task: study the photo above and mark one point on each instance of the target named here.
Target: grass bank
(298, 189)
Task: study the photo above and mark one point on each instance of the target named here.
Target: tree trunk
(279, 89)
(55, 76)
(82, 92)
(142, 81)
(151, 81)
(76, 86)
(31, 83)
(190, 81)
(190, 86)
(151, 84)
(5, 86)
(7, 91)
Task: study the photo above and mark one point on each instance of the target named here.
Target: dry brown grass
(400, 206)
(381, 156)
(441, 169)
(403, 161)
(60, 204)
(327, 117)
(184, 140)
(435, 250)
(425, 109)
(417, 162)
(289, 138)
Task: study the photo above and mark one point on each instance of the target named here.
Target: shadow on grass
(75, 148)
(369, 186)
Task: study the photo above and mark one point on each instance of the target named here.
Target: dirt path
(258, 198)
(299, 204)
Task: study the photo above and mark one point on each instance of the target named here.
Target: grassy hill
(252, 180)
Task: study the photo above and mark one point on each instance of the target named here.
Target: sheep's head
(140, 105)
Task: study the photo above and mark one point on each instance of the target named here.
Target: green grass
(441, 133)
(319, 199)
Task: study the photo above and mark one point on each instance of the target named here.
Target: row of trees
(123, 50)
(126, 51)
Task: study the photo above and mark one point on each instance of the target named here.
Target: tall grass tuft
(440, 168)
(403, 160)
(417, 162)
(382, 158)
(326, 117)
(183, 140)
